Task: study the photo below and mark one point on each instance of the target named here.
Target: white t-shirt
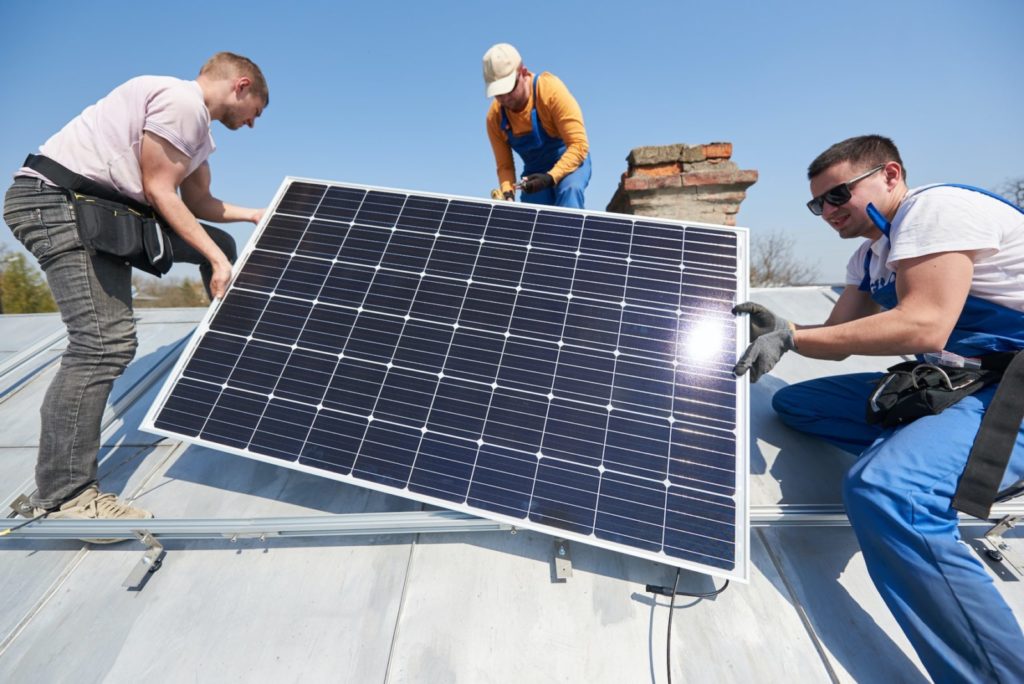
(946, 219)
(104, 142)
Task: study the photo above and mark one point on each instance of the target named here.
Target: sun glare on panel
(700, 342)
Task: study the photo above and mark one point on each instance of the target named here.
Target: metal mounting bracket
(23, 507)
(998, 550)
(562, 559)
(150, 562)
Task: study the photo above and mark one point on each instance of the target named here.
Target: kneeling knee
(782, 403)
(863, 500)
(791, 406)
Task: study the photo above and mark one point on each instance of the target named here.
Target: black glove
(762, 320)
(509, 195)
(536, 182)
(764, 352)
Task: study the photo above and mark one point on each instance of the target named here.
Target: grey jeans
(94, 295)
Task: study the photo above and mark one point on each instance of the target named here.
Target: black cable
(6, 532)
(673, 592)
(668, 633)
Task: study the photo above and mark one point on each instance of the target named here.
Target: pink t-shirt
(104, 142)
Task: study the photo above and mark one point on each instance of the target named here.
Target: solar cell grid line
(274, 391)
(326, 385)
(237, 360)
(551, 385)
(422, 428)
(271, 396)
(481, 442)
(440, 376)
(370, 418)
(617, 354)
(564, 371)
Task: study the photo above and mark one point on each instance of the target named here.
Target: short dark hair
(862, 151)
(230, 65)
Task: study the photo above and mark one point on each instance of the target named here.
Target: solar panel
(561, 370)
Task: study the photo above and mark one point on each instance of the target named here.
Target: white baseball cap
(501, 65)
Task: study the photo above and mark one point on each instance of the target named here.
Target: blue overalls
(540, 152)
(898, 498)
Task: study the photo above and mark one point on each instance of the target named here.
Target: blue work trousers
(568, 192)
(898, 497)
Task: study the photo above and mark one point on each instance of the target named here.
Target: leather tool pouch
(912, 389)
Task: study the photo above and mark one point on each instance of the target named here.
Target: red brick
(718, 150)
(670, 169)
(675, 181)
(635, 183)
(652, 182)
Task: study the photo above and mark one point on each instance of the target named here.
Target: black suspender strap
(994, 444)
(59, 174)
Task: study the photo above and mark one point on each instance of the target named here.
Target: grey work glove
(764, 352)
(762, 320)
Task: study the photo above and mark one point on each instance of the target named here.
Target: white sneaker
(91, 505)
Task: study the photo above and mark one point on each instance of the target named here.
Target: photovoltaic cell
(565, 371)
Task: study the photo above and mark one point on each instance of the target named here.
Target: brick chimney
(685, 182)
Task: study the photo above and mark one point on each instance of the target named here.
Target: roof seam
(800, 611)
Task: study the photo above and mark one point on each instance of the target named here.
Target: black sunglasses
(840, 194)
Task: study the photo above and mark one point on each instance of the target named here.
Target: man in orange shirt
(539, 118)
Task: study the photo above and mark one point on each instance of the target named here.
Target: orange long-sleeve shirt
(559, 114)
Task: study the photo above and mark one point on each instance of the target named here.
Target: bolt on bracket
(562, 559)
(150, 562)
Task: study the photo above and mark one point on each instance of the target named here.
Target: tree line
(23, 288)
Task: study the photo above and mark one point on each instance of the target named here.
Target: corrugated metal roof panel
(469, 607)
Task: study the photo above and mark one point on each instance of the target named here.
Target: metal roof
(471, 606)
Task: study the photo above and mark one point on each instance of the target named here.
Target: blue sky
(391, 94)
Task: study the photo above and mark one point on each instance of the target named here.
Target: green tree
(22, 288)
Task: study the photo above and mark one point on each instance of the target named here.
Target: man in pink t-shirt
(146, 142)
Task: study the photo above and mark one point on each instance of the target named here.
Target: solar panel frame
(301, 253)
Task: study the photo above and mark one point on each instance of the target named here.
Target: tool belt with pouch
(912, 389)
(108, 222)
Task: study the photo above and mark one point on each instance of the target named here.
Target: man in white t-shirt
(145, 142)
(941, 268)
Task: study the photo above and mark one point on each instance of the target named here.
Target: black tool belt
(108, 222)
(911, 390)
